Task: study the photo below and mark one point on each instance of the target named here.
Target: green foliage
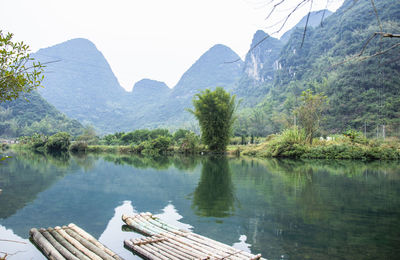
(78, 146)
(189, 143)
(179, 134)
(356, 136)
(88, 136)
(18, 71)
(293, 143)
(24, 118)
(59, 142)
(215, 112)
(157, 145)
(135, 137)
(309, 112)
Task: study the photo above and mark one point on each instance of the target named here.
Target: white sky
(156, 39)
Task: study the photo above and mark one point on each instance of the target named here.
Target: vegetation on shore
(293, 143)
(215, 112)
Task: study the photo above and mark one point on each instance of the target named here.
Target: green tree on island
(18, 71)
(310, 111)
(215, 112)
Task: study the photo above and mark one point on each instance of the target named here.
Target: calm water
(282, 209)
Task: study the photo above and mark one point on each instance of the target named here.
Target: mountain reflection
(214, 195)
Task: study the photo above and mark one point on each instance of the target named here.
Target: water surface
(283, 209)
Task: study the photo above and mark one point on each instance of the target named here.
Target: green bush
(78, 146)
(190, 143)
(158, 145)
(59, 142)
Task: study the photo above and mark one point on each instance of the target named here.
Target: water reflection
(113, 236)
(16, 247)
(298, 209)
(214, 195)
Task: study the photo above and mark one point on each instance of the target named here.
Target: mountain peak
(314, 20)
(223, 52)
(149, 85)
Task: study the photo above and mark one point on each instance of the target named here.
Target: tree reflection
(214, 195)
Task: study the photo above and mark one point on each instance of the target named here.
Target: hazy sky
(156, 39)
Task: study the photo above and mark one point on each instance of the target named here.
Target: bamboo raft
(70, 242)
(164, 242)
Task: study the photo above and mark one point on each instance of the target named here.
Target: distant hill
(258, 69)
(269, 81)
(81, 83)
(214, 68)
(316, 19)
(362, 95)
(30, 114)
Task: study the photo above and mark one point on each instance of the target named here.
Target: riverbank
(291, 144)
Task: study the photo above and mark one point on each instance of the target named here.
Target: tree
(58, 142)
(309, 112)
(215, 112)
(18, 71)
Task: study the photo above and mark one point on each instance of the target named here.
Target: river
(283, 209)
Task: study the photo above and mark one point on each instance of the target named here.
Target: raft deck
(168, 242)
(70, 242)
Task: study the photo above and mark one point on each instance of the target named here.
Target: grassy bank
(291, 143)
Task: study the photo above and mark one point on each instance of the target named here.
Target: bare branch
(358, 57)
(376, 14)
(13, 241)
(305, 27)
(273, 9)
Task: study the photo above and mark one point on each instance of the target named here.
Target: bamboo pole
(129, 221)
(227, 250)
(208, 242)
(186, 249)
(144, 223)
(76, 244)
(187, 254)
(88, 244)
(141, 251)
(45, 245)
(194, 246)
(67, 244)
(167, 249)
(204, 248)
(178, 253)
(155, 249)
(155, 245)
(93, 240)
(147, 222)
(62, 250)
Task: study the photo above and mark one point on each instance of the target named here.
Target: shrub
(58, 142)
(78, 146)
(190, 143)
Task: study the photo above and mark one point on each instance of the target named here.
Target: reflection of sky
(21, 250)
